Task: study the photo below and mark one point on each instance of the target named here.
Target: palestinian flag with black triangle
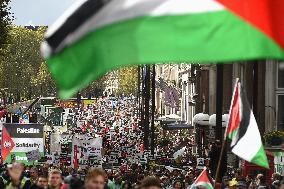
(202, 180)
(242, 129)
(95, 36)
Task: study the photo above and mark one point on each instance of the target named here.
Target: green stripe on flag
(233, 134)
(204, 37)
(205, 184)
(260, 158)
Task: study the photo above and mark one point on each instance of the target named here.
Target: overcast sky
(38, 12)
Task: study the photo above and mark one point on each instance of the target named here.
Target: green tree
(5, 21)
(22, 68)
(42, 82)
(127, 80)
(96, 88)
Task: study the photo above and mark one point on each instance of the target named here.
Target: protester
(276, 178)
(54, 179)
(252, 185)
(116, 121)
(260, 181)
(281, 185)
(42, 182)
(233, 184)
(242, 184)
(225, 183)
(33, 175)
(117, 183)
(95, 179)
(178, 185)
(249, 179)
(17, 179)
(150, 183)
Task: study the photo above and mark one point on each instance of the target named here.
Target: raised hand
(15, 172)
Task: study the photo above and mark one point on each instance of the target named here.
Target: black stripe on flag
(25, 130)
(245, 118)
(74, 21)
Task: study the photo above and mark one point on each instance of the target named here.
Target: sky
(38, 12)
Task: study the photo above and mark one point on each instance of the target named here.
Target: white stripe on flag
(58, 23)
(121, 10)
(248, 146)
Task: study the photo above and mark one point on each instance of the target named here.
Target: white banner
(57, 139)
(28, 144)
(86, 151)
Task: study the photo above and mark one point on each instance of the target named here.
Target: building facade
(263, 82)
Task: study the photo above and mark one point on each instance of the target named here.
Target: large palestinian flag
(202, 180)
(95, 36)
(242, 129)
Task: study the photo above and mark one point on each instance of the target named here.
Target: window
(280, 96)
(280, 114)
(280, 75)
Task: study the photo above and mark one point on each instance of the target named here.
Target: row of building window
(280, 96)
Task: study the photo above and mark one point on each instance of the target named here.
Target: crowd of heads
(45, 177)
(117, 122)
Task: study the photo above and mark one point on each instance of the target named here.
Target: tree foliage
(127, 80)
(23, 69)
(96, 88)
(5, 21)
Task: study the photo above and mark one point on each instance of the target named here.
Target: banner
(279, 162)
(86, 152)
(49, 159)
(33, 155)
(57, 139)
(88, 102)
(66, 103)
(17, 139)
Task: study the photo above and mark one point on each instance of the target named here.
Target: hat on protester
(233, 182)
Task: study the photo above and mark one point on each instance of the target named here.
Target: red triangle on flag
(266, 15)
(235, 113)
(203, 180)
(7, 143)
(203, 177)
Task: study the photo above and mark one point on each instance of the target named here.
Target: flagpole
(220, 162)
(218, 127)
(224, 143)
(146, 108)
(138, 89)
(153, 111)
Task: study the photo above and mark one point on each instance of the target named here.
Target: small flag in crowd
(179, 152)
(94, 37)
(202, 180)
(242, 129)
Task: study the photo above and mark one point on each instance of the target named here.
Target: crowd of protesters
(121, 116)
(42, 177)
